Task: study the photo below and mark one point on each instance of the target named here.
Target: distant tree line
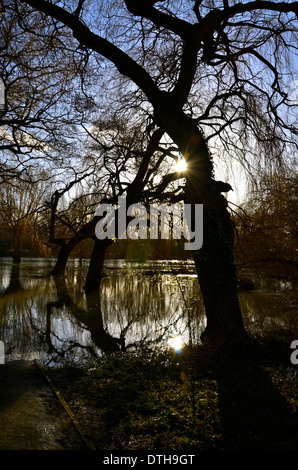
(267, 227)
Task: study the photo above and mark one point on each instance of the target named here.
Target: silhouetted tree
(210, 73)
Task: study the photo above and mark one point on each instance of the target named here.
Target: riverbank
(166, 401)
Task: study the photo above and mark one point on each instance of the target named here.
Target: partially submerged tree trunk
(96, 264)
(16, 258)
(63, 255)
(14, 283)
(66, 247)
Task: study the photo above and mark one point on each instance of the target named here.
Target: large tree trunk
(96, 264)
(215, 260)
(217, 274)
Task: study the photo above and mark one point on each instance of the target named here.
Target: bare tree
(42, 104)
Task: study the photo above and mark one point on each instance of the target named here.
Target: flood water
(140, 305)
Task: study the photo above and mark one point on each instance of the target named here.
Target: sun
(176, 343)
(181, 165)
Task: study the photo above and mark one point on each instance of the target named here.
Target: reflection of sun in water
(175, 343)
(181, 165)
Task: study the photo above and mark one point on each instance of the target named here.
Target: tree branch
(86, 37)
(145, 8)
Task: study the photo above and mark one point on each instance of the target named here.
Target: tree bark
(217, 273)
(94, 274)
(62, 258)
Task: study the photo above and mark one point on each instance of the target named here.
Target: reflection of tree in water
(131, 312)
(152, 307)
(90, 318)
(54, 319)
(21, 309)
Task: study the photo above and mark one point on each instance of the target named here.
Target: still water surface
(140, 305)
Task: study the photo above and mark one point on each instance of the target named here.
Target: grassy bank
(167, 401)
